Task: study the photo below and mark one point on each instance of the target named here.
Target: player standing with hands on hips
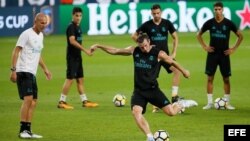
(218, 51)
(25, 59)
(146, 65)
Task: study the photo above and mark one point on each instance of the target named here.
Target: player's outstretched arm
(114, 51)
(164, 57)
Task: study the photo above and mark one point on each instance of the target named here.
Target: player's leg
(27, 88)
(70, 76)
(83, 96)
(141, 122)
(138, 107)
(80, 86)
(210, 69)
(63, 97)
(175, 81)
(175, 84)
(225, 69)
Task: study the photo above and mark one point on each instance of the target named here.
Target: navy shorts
(74, 68)
(26, 84)
(166, 66)
(221, 60)
(154, 96)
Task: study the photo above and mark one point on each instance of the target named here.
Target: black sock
(22, 126)
(28, 127)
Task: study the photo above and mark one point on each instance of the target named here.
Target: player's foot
(176, 98)
(150, 138)
(188, 103)
(155, 109)
(64, 105)
(35, 136)
(87, 103)
(230, 107)
(24, 135)
(208, 106)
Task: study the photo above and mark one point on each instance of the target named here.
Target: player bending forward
(146, 65)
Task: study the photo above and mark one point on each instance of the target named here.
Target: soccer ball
(119, 100)
(220, 103)
(161, 135)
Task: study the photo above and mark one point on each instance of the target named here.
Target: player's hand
(209, 49)
(229, 51)
(93, 48)
(48, 74)
(13, 76)
(89, 52)
(186, 74)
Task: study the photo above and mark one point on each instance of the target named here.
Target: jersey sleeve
(141, 28)
(22, 40)
(70, 31)
(205, 26)
(233, 27)
(171, 27)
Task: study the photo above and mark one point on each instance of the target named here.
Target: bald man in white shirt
(25, 59)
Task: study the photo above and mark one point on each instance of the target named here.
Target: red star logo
(244, 16)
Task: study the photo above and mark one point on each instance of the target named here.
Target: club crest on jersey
(151, 58)
(163, 29)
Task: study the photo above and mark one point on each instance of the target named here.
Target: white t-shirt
(32, 45)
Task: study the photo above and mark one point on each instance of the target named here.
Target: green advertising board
(104, 19)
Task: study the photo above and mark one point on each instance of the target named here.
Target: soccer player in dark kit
(158, 30)
(218, 51)
(146, 65)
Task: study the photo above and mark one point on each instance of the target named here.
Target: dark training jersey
(146, 67)
(158, 34)
(219, 33)
(73, 30)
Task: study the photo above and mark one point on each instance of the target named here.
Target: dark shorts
(221, 60)
(166, 66)
(154, 96)
(74, 68)
(26, 84)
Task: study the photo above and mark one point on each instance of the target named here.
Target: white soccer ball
(220, 103)
(161, 135)
(119, 100)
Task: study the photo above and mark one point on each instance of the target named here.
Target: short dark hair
(76, 9)
(142, 37)
(155, 6)
(218, 4)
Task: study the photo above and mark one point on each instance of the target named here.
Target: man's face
(218, 11)
(144, 46)
(156, 13)
(41, 23)
(77, 17)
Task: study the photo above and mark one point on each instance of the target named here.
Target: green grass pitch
(106, 75)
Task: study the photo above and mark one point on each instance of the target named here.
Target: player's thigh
(74, 69)
(211, 64)
(26, 84)
(166, 66)
(138, 99)
(225, 67)
(158, 98)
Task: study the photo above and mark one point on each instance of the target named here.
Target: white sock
(83, 97)
(174, 91)
(209, 98)
(63, 97)
(227, 97)
(150, 135)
